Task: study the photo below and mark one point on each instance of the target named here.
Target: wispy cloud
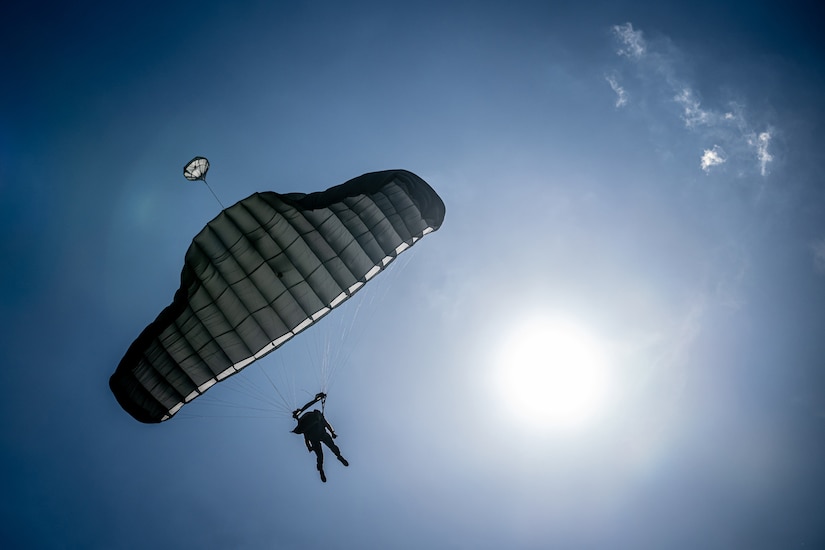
(692, 114)
(713, 157)
(621, 94)
(632, 43)
(654, 75)
(761, 143)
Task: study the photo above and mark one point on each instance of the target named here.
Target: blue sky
(650, 174)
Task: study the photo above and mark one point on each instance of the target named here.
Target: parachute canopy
(263, 270)
(196, 169)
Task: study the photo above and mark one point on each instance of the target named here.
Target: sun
(552, 374)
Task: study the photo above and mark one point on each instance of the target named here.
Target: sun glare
(552, 374)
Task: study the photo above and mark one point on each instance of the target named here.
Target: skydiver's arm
(306, 442)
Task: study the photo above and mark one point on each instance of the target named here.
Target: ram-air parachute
(263, 270)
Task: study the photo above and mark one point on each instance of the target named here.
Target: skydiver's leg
(319, 454)
(327, 439)
(334, 448)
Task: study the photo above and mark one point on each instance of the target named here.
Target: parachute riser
(321, 396)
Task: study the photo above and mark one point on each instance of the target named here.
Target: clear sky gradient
(650, 172)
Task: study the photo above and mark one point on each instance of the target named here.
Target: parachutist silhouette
(316, 430)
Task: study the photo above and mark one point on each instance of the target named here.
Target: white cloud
(761, 143)
(621, 94)
(633, 45)
(658, 79)
(693, 114)
(713, 157)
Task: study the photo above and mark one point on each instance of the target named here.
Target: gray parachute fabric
(263, 270)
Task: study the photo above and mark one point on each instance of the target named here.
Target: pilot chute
(196, 169)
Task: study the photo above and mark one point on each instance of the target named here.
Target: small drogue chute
(196, 169)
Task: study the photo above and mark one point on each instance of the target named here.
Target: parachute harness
(321, 396)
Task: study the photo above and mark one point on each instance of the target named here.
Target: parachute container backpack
(262, 271)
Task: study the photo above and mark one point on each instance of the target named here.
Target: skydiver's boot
(323, 475)
(343, 460)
